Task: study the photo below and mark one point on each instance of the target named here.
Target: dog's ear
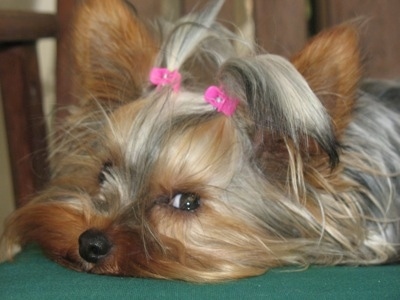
(305, 104)
(278, 106)
(114, 51)
(330, 63)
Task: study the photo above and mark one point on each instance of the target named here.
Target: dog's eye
(186, 201)
(104, 171)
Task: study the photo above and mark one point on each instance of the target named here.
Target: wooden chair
(22, 97)
(21, 91)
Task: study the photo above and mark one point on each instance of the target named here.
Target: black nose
(93, 245)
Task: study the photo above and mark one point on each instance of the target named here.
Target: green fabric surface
(33, 276)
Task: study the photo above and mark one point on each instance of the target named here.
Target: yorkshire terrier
(186, 160)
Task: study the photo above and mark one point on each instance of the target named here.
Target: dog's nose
(93, 245)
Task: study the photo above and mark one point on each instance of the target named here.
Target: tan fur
(267, 197)
(331, 65)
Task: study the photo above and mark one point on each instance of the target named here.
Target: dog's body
(151, 180)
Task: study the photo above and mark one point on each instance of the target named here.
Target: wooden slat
(281, 25)
(26, 130)
(150, 9)
(65, 63)
(26, 26)
(379, 30)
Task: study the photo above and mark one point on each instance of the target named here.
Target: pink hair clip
(162, 77)
(220, 100)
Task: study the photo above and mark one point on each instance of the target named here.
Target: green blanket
(32, 276)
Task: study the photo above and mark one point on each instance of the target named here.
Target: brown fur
(128, 149)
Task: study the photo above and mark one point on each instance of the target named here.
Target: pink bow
(222, 102)
(162, 77)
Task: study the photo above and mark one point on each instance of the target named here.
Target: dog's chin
(73, 262)
(109, 265)
(76, 263)
(124, 256)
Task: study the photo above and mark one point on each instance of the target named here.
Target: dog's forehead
(156, 115)
(141, 129)
(181, 135)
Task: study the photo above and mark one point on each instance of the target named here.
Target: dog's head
(154, 181)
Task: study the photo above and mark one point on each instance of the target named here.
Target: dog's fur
(155, 183)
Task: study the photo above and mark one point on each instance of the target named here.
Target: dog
(185, 160)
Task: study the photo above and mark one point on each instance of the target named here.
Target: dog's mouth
(92, 253)
(104, 252)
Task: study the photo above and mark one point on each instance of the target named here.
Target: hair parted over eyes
(185, 159)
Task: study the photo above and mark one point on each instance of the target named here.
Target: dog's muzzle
(93, 245)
